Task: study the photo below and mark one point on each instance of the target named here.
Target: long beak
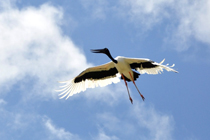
(98, 51)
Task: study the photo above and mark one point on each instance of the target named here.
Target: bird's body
(108, 73)
(123, 67)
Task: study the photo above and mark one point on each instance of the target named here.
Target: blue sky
(43, 42)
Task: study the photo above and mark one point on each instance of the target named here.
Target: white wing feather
(70, 88)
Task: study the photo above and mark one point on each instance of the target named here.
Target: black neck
(113, 60)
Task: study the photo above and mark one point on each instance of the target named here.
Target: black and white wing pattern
(91, 77)
(143, 65)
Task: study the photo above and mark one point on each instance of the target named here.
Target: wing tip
(162, 61)
(176, 71)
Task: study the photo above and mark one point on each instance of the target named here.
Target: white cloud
(201, 21)
(2, 102)
(194, 21)
(58, 133)
(97, 8)
(33, 47)
(103, 136)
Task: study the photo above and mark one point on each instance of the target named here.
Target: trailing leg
(137, 87)
(127, 89)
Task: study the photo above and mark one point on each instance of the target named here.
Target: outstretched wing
(148, 66)
(91, 77)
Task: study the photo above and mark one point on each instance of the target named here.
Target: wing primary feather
(72, 91)
(70, 83)
(65, 85)
(172, 65)
(162, 61)
(67, 89)
(69, 93)
(64, 95)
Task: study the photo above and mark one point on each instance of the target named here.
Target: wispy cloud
(103, 136)
(194, 20)
(146, 13)
(160, 126)
(2, 102)
(58, 133)
(139, 12)
(141, 121)
(22, 125)
(96, 8)
(111, 94)
(16, 125)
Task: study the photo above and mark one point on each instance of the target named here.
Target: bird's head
(105, 51)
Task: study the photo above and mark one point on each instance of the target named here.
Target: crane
(111, 72)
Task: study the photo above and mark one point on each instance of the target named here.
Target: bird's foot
(131, 100)
(142, 97)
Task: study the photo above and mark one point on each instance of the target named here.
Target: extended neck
(113, 60)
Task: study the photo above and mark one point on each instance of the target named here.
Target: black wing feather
(96, 75)
(149, 64)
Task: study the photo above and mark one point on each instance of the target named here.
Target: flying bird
(110, 72)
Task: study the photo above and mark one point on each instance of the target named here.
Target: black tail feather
(135, 74)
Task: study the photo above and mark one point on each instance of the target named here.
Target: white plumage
(110, 73)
